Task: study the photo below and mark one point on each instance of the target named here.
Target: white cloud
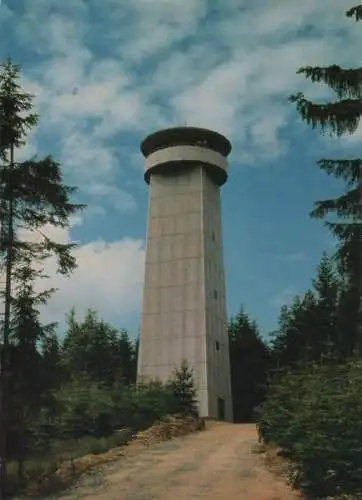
(107, 72)
(64, 27)
(88, 158)
(117, 198)
(156, 25)
(84, 103)
(27, 150)
(233, 73)
(109, 276)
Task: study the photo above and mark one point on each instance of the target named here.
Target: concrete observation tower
(184, 306)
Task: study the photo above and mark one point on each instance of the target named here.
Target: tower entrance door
(221, 408)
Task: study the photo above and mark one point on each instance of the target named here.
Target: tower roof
(191, 136)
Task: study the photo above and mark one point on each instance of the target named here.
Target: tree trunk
(359, 277)
(21, 454)
(4, 370)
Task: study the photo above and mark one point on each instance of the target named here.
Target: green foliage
(32, 195)
(67, 398)
(96, 349)
(14, 103)
(145, 403)
(51, 361)
(39, 470)
(249, 363)
(313, 388)
(182, 387)
(308, 414)
(355, 12)
(86, 408)
(341, 117)
(311, 328)
(85, 386)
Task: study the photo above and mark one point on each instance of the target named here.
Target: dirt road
(216, 464)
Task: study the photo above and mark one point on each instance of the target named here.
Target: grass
(64, 462)
(68, 460)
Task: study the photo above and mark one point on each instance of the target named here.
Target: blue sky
(106, 74)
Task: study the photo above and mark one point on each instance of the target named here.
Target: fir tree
(341, 117)
(95, 349)
(27, 375)
(51, 372)
(327, 288)
(289, 339)
(126, 358)
(33, 195)
(310, 330)
(183, 390)
(13, 126)
(249, 363)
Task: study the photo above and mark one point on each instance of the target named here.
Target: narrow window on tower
(215, 294)
(217, 345)
(213, 236)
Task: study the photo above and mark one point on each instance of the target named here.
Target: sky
(106, 74)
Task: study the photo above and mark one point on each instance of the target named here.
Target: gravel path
(216, 464)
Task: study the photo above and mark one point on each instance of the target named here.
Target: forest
(66, 397)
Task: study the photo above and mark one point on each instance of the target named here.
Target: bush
(85, 408)
(88, 408)
(86, 415)
(308, 414)
(144, 404)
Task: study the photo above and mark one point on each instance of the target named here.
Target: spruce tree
(294, 343)
(287, 340)
(95, 349)
(183, 390)
(308, 330)
(32, 195)
(27, 378)
(327, 288)
(340, 117)
(13, 126)
(126, 356)
(249, 363)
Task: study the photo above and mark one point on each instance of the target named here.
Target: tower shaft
(184, 305)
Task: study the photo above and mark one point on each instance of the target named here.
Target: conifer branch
(355, 12)
(345, 206)
(348, 252)
(339, 117)
(348, 170)
(32, 195)
(347, 83)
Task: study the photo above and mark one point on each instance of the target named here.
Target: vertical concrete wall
(184, 292)
(217, 344)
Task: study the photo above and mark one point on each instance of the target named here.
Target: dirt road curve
(217, 464)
